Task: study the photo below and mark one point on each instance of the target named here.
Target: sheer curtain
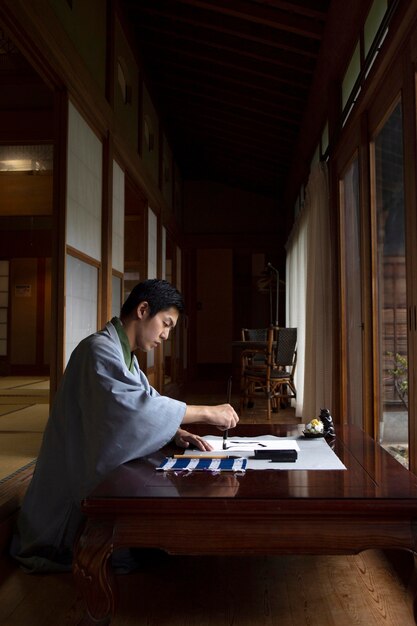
(309, 297)
(295, 287)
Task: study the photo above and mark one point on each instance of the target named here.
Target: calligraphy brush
(229, 397)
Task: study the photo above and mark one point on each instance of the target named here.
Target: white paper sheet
(313, 454)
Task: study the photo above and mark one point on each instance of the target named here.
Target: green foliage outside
(400, 375)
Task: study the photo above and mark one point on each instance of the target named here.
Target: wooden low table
(371, 505)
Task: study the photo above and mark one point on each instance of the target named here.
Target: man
(105, 413)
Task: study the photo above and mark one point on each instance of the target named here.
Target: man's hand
(221, 415)
(184, 439)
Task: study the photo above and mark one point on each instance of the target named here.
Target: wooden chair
(252, 357)
(283, 371)
(255, 334)
(275, 380)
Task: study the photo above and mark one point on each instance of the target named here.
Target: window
(351, 294)
(30, 158)
(391, 305)
(148, 134)
(373, 22)
(351, 76)
(125, 87)
(367, 48)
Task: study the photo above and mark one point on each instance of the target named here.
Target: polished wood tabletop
(371, 504)
(372, 473)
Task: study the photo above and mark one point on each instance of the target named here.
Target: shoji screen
(178, 278)
(182, 329)
(83, 187)
(81, 289)
(118, 236)
(152, 260)
(164, 253)
(152, 244)
(83, 230)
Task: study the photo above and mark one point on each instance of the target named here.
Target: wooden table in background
(371, 505)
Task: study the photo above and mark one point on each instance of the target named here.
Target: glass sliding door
(390, 288)
(351, 295)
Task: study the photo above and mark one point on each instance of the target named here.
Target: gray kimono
(103, 415)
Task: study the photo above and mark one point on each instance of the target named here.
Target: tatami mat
(11, 396)
(18, 390)
(11, 382)
(17, 450)
(25, 445)
(42, 385)
(9, 408)
(29, 419)
(24, 410)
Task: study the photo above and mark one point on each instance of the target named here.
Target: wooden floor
(372, 588)
(217, 591)
(214, 392)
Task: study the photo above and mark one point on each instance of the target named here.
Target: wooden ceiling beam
(222, 137)
(308, 8)
(231, 80)
(173, 40)
(240, 159)
(287, 78)
(222, 149)
(213, 62)
(228, 72)
(282, 20)
(240, 142)
(250, 128)
(263, 36)
(236, 152)
(199, 81)
(245, 175)
(245, 101)
(213, 161)
(232, 106)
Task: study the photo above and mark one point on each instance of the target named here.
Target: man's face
(151, 331)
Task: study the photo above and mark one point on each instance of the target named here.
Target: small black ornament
(328, 427)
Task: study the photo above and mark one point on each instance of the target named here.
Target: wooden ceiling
(231, 80)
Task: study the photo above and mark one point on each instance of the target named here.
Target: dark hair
(159, 294)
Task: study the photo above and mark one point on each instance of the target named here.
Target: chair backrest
(254, 334)
(285, 347)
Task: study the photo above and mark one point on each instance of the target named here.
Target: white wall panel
(152, 260)
(84, 186)
(118, 217)
(163, 253)
(81, 302)
(152, 243)
(116, 295)
(179, 272)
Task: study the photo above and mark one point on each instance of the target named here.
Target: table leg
(412, 587)
(92, 572)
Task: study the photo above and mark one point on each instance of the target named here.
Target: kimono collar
(127, 353)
